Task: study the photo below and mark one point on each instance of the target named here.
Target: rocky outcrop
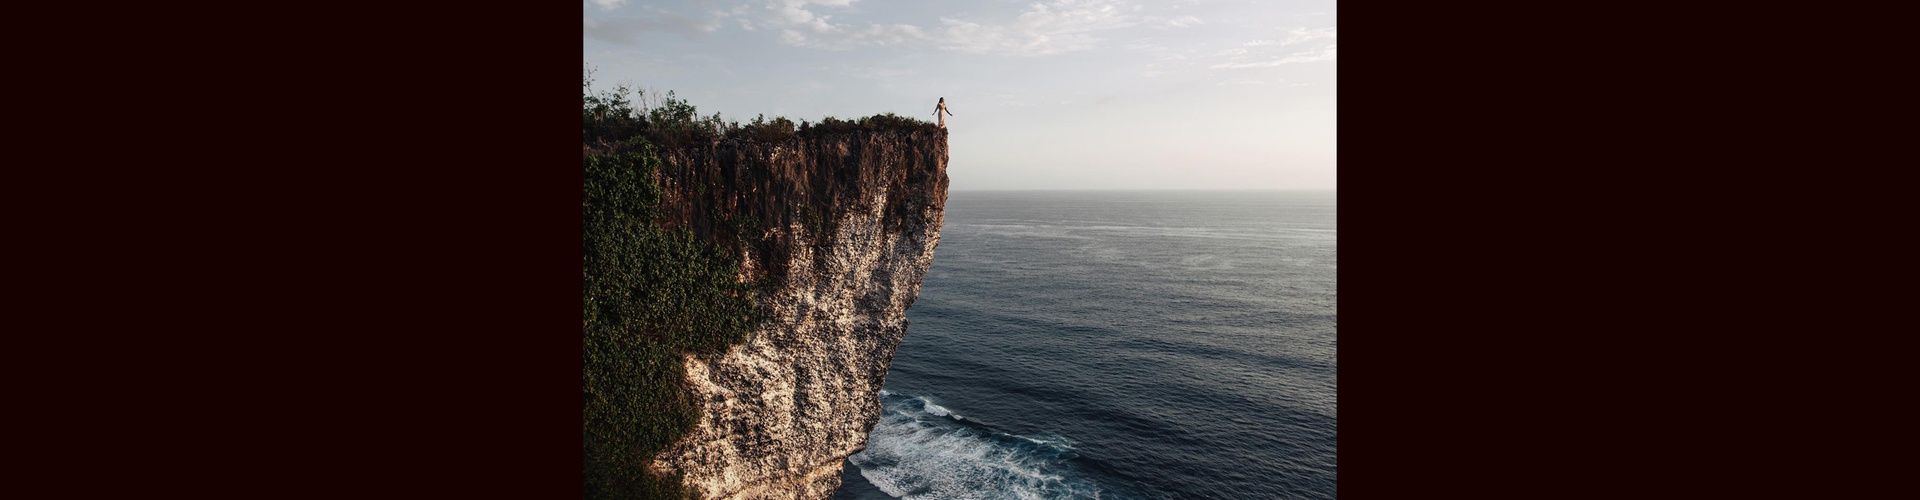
(839, 228)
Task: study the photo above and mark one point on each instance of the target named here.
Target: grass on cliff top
(624, 114)
(651, 296)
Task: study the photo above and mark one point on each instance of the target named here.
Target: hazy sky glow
(1062, 94)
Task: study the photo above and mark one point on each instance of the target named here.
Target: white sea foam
(939, 411)
(1050, 440)
(910, 455)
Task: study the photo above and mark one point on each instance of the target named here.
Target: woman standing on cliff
(937, 108)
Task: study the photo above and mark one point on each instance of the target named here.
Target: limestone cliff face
(841, 227)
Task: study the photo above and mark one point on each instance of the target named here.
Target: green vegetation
(623, 114)
(651, 296)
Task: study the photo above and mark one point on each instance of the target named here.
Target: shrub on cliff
(779, 129)
(879, 122)
(606, 115)
(651, 296)
(625, 113)
(618, 116)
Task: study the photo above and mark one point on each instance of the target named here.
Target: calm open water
(1116, 344)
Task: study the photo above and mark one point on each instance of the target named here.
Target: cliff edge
(833, 231)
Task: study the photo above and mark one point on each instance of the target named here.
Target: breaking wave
(923, 450)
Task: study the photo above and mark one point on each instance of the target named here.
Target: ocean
(1116, 344)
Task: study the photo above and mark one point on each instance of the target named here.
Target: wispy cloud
(1181, 22)
(607, 4)
(1298, 35)
(623, 30)
(1327, 53)
(1243, 57)
(1044, 28)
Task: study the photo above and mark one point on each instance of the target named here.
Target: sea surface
(1116, 344)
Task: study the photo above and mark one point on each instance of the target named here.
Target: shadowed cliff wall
(803, 184)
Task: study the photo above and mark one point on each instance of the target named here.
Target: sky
(1047, 94)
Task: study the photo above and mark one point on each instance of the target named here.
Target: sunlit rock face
(844, 228)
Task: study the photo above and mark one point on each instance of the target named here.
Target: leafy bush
(760, 129)
(650, 297)
(607, 115)
(623, 114)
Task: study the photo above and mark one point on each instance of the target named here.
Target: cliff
(832, 231)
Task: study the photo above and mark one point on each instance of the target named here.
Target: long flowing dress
(937, 109)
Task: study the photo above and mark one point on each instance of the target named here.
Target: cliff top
(612, 120)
